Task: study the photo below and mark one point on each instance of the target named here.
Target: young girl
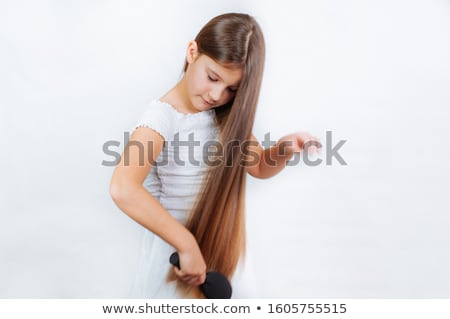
(166, 180)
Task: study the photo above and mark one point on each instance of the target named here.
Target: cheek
(228, 96)
(199, 85)
(203, 86)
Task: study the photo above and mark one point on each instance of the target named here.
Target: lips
(206, 102)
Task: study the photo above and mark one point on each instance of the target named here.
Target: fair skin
(205, 85)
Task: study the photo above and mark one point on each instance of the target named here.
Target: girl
(166, 180)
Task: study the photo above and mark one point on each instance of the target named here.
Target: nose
(215, 93)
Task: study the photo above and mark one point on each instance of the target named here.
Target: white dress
(174, 180)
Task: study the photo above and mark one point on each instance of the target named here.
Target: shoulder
(161, 110)
(158, 116)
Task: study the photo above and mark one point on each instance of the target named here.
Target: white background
(76, 74)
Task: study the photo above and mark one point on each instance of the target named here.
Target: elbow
(119, 192)
(253, 171)
(261, 176)
(114, 191)
(256, 173)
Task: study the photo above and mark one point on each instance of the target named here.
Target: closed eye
(231, 90)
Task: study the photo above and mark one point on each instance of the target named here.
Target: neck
(179, 98)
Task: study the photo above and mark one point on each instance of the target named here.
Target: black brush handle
(175, 260)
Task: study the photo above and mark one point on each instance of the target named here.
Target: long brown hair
(217, 219)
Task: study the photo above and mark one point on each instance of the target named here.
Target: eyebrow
(217, 75)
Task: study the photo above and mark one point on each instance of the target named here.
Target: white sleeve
(158, 117)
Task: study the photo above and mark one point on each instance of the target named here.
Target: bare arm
(134, 200)
(272, 160)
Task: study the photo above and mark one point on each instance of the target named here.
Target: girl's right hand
(193, 266)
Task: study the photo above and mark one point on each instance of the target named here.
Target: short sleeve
(157, 117)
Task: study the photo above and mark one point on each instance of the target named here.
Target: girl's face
(208, 83)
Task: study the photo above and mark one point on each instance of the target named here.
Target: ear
(192, 52)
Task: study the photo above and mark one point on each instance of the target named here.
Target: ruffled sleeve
(158, 117)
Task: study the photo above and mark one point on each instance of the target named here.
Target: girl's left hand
(297, 142)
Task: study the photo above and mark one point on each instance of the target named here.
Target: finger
(317, 143)
(193, 282)
(186, 278)
(287, 146)
(197, 281)
(305, 139)
(312, 150)
(309, 144)
(190, 280)
(313, 147)
(313, 141)
(202, 278)
(179, 273)
(319, 148)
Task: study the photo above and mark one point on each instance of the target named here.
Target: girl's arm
(265, 163)
(134, 200)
